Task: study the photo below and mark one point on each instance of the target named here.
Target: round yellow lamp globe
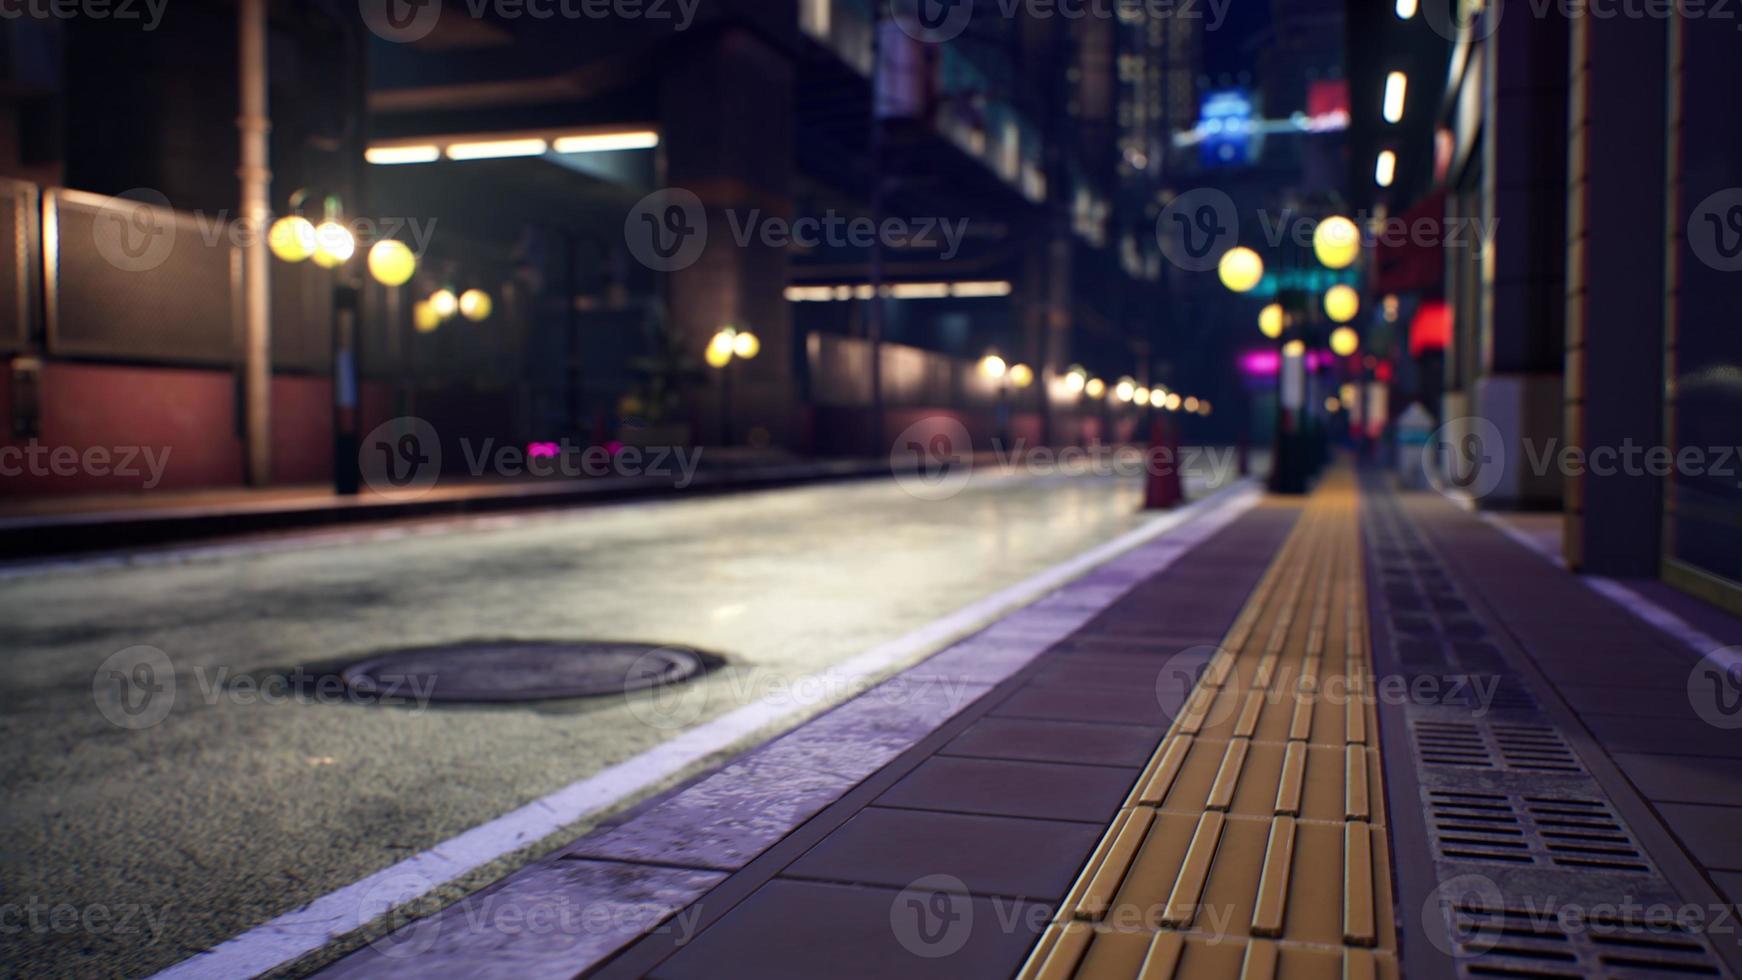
(1342, 303)
(292, 238)
(1272, 321)
(444, 303)
(392, 262)
(1345, 341)
(1337, 242)
(334, 245)
(476, 305)
(1240, 269)
(424, 318)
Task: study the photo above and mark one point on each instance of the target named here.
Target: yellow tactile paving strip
(1254, 844)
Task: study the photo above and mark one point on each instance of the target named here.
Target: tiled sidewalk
(1599, 711)
(991, 818)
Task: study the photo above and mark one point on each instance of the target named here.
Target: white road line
(298, 933)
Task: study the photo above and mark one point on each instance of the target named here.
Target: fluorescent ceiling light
(1396, 88)
(606, 142)
(393, 155)
(497, 149)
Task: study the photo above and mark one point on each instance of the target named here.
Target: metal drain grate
(1538, 943)
(1488, 745)
(1506, 800)
(1564, 832)
(517, 671)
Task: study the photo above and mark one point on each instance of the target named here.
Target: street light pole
(256, 178)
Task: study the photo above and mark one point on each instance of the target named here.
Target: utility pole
(255, 174)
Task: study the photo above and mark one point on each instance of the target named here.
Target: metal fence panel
(129, 279)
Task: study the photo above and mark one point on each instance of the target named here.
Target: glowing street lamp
(1076, 379)
(476, 305)
(1240, 269)
(444, 303)
(1345, 341)
(1125, 390)
(424, 318)
(1342, 303)
(1337, 242)
(334, 245)
(1272, 321)
(1021, 376)
(292, 238)
(391, 262)
(993, 366)
(1095, 388)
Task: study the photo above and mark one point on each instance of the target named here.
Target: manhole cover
(522, 671)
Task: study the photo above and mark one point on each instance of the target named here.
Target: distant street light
(444, 303)
(1095, 388)
(993, 366)
(724, 347)
(476, 305)
(1240, 269)
(1385, 170)
(1272, 321)
(1125, 390)
(334, 245)
(1342, 303)
(1345, 341)
(1337, 242)
(424, 318)
(292, 238)
(1396, 91)
(392, 262)
(1021, 376)
(1076, 379)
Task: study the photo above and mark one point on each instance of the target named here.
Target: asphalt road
(127, 845)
